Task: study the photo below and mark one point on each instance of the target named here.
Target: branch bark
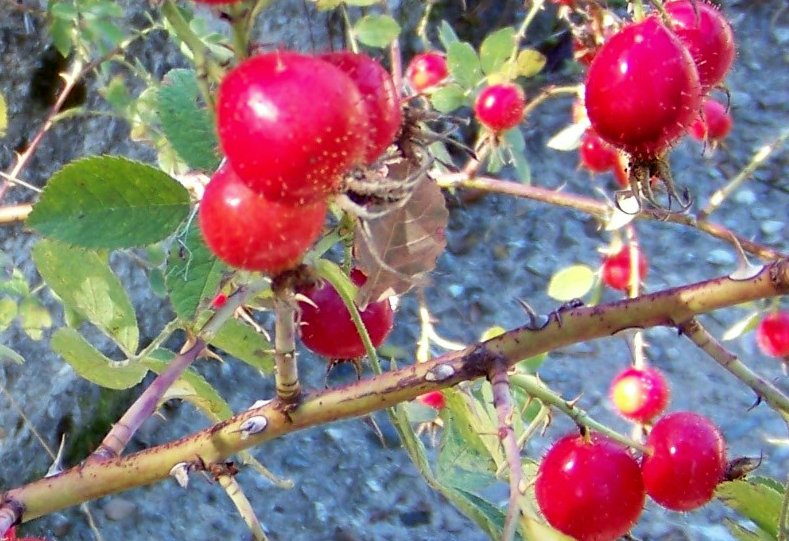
(669, 307)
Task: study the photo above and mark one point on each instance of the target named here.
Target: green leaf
(756, 499)
(193, 274)
(463, 64)
(571, 283)
(34, 318)
(743, 534)
(188, 126)
(61, 31)
(446, 34)
(487, 516)
(496, 49)
(8, 355)
(157, 283)
(448, 98)
(15, 285)
(3, 116)
(376, 30)
(191, 387)
(109, 202)
(64, 10)
(89, 363)
(530, 62)
(517, 154)
(244, 343)
(743, 326)
(85, 282)
(8, 311)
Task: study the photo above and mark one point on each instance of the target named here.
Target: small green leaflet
(85, 282)
(109, 202)
(244, 343)
(89, 363)
(193, 274)
(8, 311)
(757, 498)
(376, 30)
(571, 283)
(463, 64)
(448, 98)
(496, 49)
(446, 34)
(188, 126)
(34, 318)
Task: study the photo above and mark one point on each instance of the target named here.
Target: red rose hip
(772, 334)
(714, 123)
(591, 490)
(639, 395)
(617, 268)
(290, 125)
(596, 155)
(642, 89)
(247, 231)
(426, 70)
(379, 98)
(327, 328)
(686, 460)
(500, 107)
(433, 399)
(707, 35)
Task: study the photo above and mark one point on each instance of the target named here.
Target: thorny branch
(266, 422)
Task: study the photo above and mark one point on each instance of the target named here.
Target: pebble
(119, 509)
(411, 519)
(744, 197)
(772, 227)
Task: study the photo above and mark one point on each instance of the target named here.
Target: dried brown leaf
(398, 250)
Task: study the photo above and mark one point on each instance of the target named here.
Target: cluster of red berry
(291, 125)
(772, 334)
(499, 107)
(645, 86)
(592, 488)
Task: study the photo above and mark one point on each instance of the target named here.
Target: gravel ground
(346, 485)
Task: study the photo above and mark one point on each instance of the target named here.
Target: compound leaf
(109, 202)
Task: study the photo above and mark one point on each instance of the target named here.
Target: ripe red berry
(219, 301)
(380, 99)
(642, 89)
(616, 268)
(247, 231)
(685, 462)
(772, 334)
(500, 107)
(639, 395)
(591, 490)
(426, 70)
(327, 328)
(707, 35)
(714, 123)
(596, 155)
(433, 399)
(290, 125)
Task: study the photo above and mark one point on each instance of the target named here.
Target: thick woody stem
(254, 426)
(287, 372)
(710, 345)
(599, 209)
(502, 401)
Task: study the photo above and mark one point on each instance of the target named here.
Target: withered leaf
(397, 250)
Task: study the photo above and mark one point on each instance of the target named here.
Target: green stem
(346, 19)
(638, 10)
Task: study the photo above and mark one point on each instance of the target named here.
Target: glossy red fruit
(642, 89)
(707, 35)
(596, 155)
(616, 268)
(379, 97)
(639, 395)
(714, 123)
(290, 125)
(685, 462)
(591, 490)
(247, 231)
(772, 334)
(327, 328)
(500, 107)
(219, 301)
(426, 70)
(433, 399)
(622, 171)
